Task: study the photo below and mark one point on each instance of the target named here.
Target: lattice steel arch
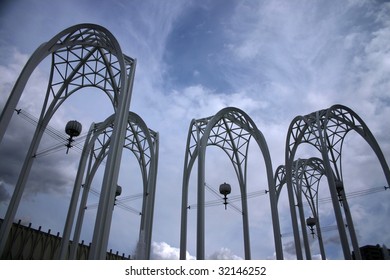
(307, 174)
(84, 55)
(230, 129)
(326, 131)
(143, 143)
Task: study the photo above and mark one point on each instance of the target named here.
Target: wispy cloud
(273, 59)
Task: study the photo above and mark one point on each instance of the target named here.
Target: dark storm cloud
(4, 195)
(49, 173)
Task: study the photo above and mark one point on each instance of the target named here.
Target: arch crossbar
(83, 55)
(230, 129)
(326, 131)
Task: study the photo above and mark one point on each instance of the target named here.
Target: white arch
(201, 135)
(326, 130)
(92, 42)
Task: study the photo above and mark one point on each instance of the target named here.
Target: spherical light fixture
(225, 189)
(73, 129)
(311, 222)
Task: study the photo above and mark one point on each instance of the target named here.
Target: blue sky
(273, 59)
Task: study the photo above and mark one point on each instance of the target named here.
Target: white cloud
(198, 101)
(224, 254)
(163, 251)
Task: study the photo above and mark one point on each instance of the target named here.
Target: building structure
(27, 243)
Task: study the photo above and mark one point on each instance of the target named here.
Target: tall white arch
(230, 129)
(82, 55)
(143, 143)
(307, 174)
(326, 130)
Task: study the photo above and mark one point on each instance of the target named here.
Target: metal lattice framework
(230, 129)
(307, 174)
(326, 131)
(143, 143)
(84, 55)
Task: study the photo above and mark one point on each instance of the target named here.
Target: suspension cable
(355, 194)
(120, 202)
(52, 132)
(232, 199)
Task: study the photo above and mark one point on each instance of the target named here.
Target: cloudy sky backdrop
(273, 59)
